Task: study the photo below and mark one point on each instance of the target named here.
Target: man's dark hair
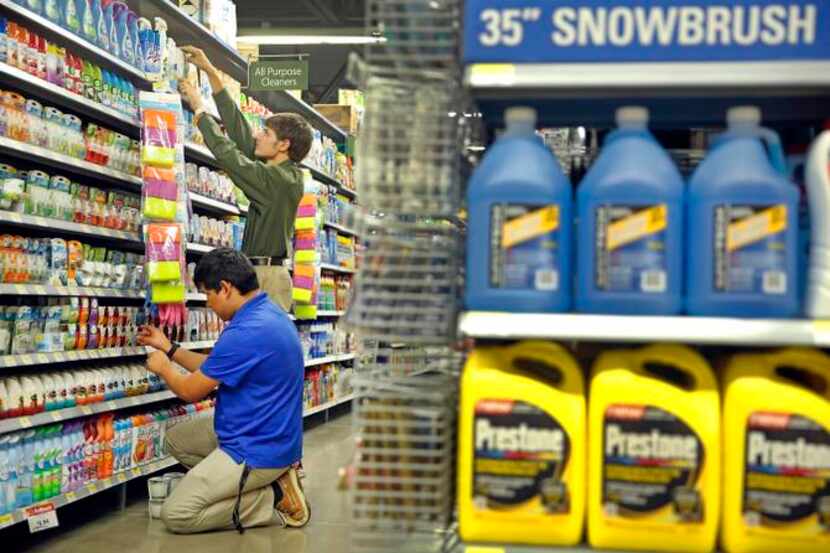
(293, 127)
(228, 265)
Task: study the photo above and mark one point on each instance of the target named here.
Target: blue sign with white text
(541, 31)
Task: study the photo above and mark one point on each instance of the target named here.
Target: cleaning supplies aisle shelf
(329, 359)
(327, 406)
(613, 328)
(54, 94)
(53, 31)
(49, 417)
(45, 223)
(31, 152)
(30, 359)
(92, 488)
(210, 203)
(341, 229)
(74, 291)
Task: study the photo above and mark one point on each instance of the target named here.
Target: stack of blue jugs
(646, 244)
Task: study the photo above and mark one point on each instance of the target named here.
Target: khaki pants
(276, 282)
(205, 498)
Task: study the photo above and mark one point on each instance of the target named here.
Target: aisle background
(95, 527)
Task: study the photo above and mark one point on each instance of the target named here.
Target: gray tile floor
(328, 446)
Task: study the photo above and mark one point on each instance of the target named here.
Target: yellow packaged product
(654, 451)
(776, 415)
(521, 458)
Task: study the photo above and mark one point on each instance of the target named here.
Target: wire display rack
(406, 292)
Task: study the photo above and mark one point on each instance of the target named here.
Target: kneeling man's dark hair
(229, 265)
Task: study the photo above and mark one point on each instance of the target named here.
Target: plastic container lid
(743, 115)
(632, 116)
(520, 115)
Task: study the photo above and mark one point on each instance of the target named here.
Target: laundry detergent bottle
(519, 236)
(776, 429)
(521, 446)
(742, 224)
(654, 453)
(630, 235)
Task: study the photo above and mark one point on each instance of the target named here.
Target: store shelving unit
(92, 488)
(341, 229)
(78, 229)
(329, 359)
(186, 31)
(61, 162)
(319, 176)
(336, 268)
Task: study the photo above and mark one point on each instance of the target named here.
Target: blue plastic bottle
(742, 226)
(87, 17)
(125, 44)
(630, 235)
(132, 25)
(108, 7)
(52, 11)
(102, 38)
(519, 237)
(71, 20)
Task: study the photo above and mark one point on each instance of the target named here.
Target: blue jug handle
(774, 149)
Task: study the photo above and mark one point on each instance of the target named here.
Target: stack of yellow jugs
(657, 457)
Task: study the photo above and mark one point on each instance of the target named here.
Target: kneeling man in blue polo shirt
(240, 460)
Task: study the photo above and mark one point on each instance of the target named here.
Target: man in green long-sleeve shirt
(265, 166)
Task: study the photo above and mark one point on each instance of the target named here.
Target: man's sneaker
(290, 501)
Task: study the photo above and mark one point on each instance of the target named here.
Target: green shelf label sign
(278, 75)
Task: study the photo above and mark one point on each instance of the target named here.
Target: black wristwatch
(173, 349)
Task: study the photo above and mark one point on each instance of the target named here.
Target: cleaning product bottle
(654, 451)
(102, 38)
(112, 34)
(742, 216)
(85, 13)
(776, 482)
(52, 10)
(630, 236)
(817, 177)
(522, 443)
(519, 238)
(122, 28)
(132, 27)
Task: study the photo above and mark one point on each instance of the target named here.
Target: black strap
(237, 521)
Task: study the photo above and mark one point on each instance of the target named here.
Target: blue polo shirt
(258, 361)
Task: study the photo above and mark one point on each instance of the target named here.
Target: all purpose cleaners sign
(646, 30)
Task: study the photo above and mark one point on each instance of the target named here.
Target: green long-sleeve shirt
(274, 190)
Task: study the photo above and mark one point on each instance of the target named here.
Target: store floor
(328, 446)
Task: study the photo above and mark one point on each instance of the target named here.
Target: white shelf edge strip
(329, 405)
(555, 76)
(205, 201)
(29, 150)
(49, 417)
(67, 226)
(28, 359)
(341, 229)
(83, 291)
(329, 359)
(336, 268)
(329, 314)
(698, 330)
(75, 41)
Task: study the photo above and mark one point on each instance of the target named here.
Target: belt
(267, 261)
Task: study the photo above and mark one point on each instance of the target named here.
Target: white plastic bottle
(817, 177)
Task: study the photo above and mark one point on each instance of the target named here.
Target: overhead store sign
(269, 75)
(645, 30)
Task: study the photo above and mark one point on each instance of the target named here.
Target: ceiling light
(290, 40)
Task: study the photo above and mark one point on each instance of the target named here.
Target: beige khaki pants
(205, 498)
(276, 282)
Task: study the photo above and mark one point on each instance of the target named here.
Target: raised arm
(237, 127)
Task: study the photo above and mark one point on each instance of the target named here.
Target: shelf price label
(536, 31)
(42, 517)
